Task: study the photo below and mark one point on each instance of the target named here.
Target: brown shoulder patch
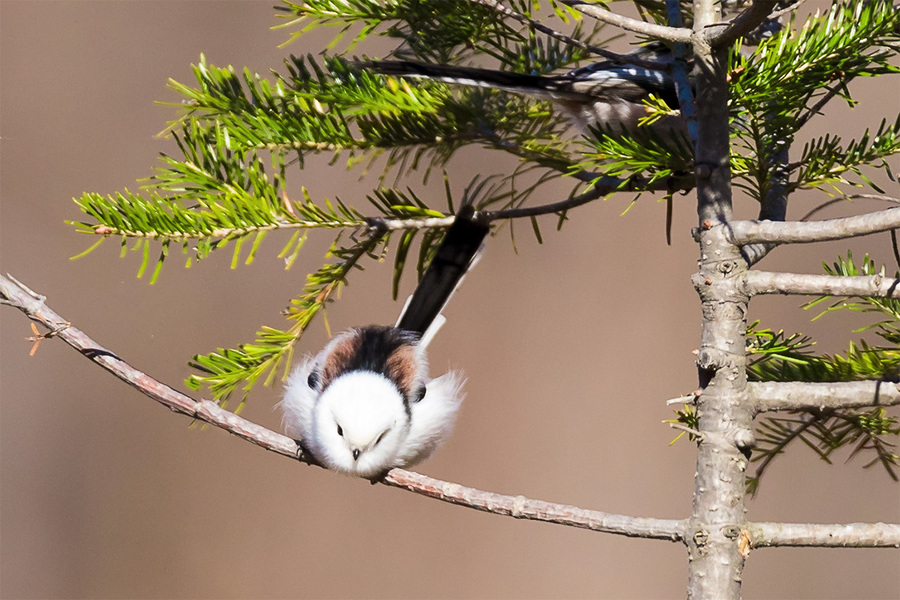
(344, 348)
(401, 368)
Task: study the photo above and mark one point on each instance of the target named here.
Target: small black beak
(355, 453)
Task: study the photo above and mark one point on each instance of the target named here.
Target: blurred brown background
(571, 349)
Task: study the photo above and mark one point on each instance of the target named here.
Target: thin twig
(661, 32)
(691, 399)
(686, 429)
(604, 186)
(780, 13)
(18, 295)
(848, 198)
(33, 305)
(895, 247)
(545, 209)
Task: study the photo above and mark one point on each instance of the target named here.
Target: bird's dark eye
(313, 380)
(340, 431)
(420, 393)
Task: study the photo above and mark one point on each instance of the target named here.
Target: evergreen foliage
(240, 135)
(776, 356)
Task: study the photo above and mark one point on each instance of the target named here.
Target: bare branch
(538, 510)
(697, 434)
(18, 295)
(851, 535)
(604, 186)
(742, 24)
(661, 32)
(872, 286)
(797, 395)
(33, 305)
(780, 13)
(628, 59)
(795, 232)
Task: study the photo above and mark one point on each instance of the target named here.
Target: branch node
(744, 440)
(681, 427)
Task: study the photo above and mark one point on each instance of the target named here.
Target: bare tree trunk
(725, 416)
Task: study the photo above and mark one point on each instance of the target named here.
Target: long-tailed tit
(604, 93)
(365, 404)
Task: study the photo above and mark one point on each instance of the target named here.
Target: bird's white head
(360, 424)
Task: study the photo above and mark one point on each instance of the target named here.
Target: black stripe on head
(386, 350)
(377, 343)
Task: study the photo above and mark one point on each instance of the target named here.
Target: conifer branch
(780, 357)
(769, 396)
(790, 76)
(33, 305)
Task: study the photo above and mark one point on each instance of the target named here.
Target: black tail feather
(459, 247)
(549, 87)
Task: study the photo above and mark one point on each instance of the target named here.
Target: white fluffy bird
(365, 404)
